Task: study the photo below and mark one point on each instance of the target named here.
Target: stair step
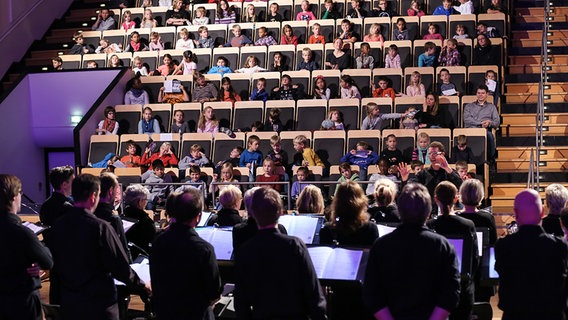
(515, 141)
(514, 51)
(537, 35)
(535, 59)
(533, 98)
(540, 11)
(511, 130)
(532, 43)
(503, 190)
(518, 165)
(546, 153)
(524, 78)
(522, 177)
(528, 119)
(532, 107)
(535, 69)
(533, 88)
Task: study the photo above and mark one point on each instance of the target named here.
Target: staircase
(517, 134)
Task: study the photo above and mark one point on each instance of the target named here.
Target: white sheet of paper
(35, 229)
(343, 264)
(384, 230)
(479, 243)
(492, 273)
(319, 256)
(127, 225)
(168, 86)
(302, 227)
(166, 137)
(142, 270)
(491, 85)
(449, 92)
(205, 233)
(222, 241)
(458, 245)
(204, 217)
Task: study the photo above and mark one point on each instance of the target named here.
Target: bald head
(528, 207)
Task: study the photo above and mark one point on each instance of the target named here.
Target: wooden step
(526, 119)
(46, 54)
(537, 35)
(533, 98)
(524, 130)
(533, 87)
(539, 11)
(535, 69)
(546, 153)
(526, 43)
(512, 189)
(535, 59)
(539, 19)
(523, 165)
(38, 62)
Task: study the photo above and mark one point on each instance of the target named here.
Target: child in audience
(274, 123)
(204, 41)
(321, 91)
(184, 42)
(259, 93)
(230, 200)
(465, 7)
(227, 93)
(433, 33)
(264, 39)
(203, 91)
(489, 32)
(384, 91)
(384, 10)
(461, 32)
(329, 11)
(446, 87)
(400, 33)
(238, 40)
(80, 47)
(386, 171)
(158, 193)
(428, 58)
(450, 56)
(113, 62)
(356, 11)
(249, 16)
(391, 153)
(287, 90)
(279, 156)
(306, 14)
(461, 152)
(136, 94)
(179, 125)
(251, 66)
(348, 88)
(420, 153)
(416, 166)
(207, 121)
(127, 22)
(445, 9)
(416, 88)
(316, 36)
(234, 159)
(131, 159)
(307, 62)
(221, 67)
(392, 59)
(273, 15)
(374, 117)
(361, 156)
(336, 118)
(194, 179)
(165, 155)
(492, 84)
(375, 34)
(346, 34)
(195, 158)
(148, 124)
(347, 174)
(226, 176)
(200, 18)
(148, 21)
(251, 157)
(156, 43)
(288, 36)
(301, 175)
(135, 44)
(109, 125)
(279, 64)
(365, 60)
(269, 176)
(410, 121)
(225, 13)
(305, 155)
(415, 9)
(106, 47)
(138, 67)
(461, 169)
(92, 64)
(188, 65)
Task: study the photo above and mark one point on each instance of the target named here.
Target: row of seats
(330, 145)
(304, 115)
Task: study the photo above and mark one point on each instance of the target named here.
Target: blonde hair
(230, 196)
(202, 121)
(385, 192)
(301, 139)
(184, 31)
(349, 206)
(275, 139)
(371, 106)
(310, 200)
(247, 65)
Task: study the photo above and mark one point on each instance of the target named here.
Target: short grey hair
(471, 192)
(556, 197)
(135, 193)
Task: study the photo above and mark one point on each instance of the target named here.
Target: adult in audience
(143, 231)
(104, 21)
(136, 94)
(556, 197)
(310, 201)
(204, 91)
(349, 223)
(88, 255)
(183, 267)
(449, 224)
(531, 265)
(482, 114)
(395, 287)
(384, 210)
(338, 59)
(273, 260)
(177, 15)
(484, 53)
(430, 115)
(23, 256)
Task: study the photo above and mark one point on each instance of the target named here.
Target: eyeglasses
(434, 153)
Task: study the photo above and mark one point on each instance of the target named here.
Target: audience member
(338, 59)
(482, 114)
(299, 185)
(306, 156)
(431, 117)
(136, 94)
(165, 155)
(177, 15)
(460, 151)
(225, 13)
(109, 125)
(347, 174)
(131, 159)
(390, 152)
(204, 91)
(105, 21)
(310, 200)
(362, 156)
(230, 199)
(148, 124)
(80, 47)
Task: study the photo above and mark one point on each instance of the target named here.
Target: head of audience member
(109, 188)
(61, 179)
(349, 206)
(231, 197)
(528, 208)
(385, 192)
(266, 207)
(446, 195)
(437, 154)
(10, 193)
(471, 194)
(414, 204)
(136, 195)
(187, 207)
(556, 197)
(86, 191)
(310, 200)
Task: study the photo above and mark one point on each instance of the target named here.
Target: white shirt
(184, 44)
(465, 8)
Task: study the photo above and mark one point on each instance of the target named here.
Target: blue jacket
(256, 96)
(248, 157)
(359, 160)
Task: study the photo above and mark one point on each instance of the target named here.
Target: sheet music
(166, 136)
(205, 233)
(336, 263)
(384, 230)
(168, 86)
(491, 85)
(458, 245)
(492, 273)
(222, 241)
(479, 243)
(319, 256)
(204, 218)
(127, 225)
(142, 270)
(302, 227)
(35, 229)
(449, 92)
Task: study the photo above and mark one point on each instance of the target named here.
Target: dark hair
(108, 110)
(58, 175)
(108, 180)
(194, 169)
(305, 170)
(157, 164)
(446, 194)
(10, 186)
(186, 205)
(84, 185)
(192, 56)
(414, 204)
(437, 144)
(266, 206)
(483, 87)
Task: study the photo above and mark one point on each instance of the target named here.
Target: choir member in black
(449, 224)
(412, 272)
(23, 256)
(275, 278)
(230, 199)
(183, 267)
(556, 197)
(532, 266)
(349, 223)
(88, 256)
(143, 231)
(385, 210)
